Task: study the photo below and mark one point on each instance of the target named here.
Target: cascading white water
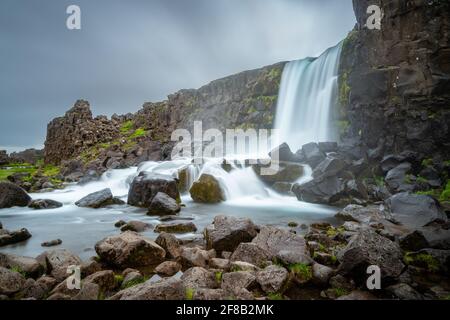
(306, 98)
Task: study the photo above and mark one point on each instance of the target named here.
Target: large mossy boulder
(129, 250)
(207, 190)
(147, 185)
(12, 196)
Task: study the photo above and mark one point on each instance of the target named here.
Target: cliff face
(245, 100)
(395, 82)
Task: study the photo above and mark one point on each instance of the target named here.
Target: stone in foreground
(226, 233)
(163, 205)
(12, 196)
(129, 250)
(207, 190)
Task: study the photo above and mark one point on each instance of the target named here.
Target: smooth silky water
(307, 90)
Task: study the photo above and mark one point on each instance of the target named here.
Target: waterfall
(306, 99)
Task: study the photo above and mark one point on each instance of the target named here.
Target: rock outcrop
(395, 82)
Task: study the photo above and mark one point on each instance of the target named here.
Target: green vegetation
(442, 195)
(421, 180)
(339, 292)
(218, 276)
(332, 232)
(140, 132)
(423, 260)
(118, 279)
(302, 271)
(190, 294)
(6, 171)
(275, 296)
(19, 270)
(126, 127)
(445, 195)
(408, 179)
(133, 283)
(293, 224)
(427, 162)
(343, 126)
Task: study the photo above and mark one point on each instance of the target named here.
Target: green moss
(133, 283)
(118, 279)
(379, 181)
(302, 271)
(9, 170)
(140, 132)
(50, 171)
(218, 276)
(332, 232)
(339, 292)
(275, 296)
(126, 127)
(445, 195)
(427, 162)
(189, 295)
(422, 260)
(344, 91)
(19, 270)
(408, 179)
(421, 180)
(343, 126)
(293, 224)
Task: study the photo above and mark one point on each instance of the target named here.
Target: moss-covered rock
(207, 190)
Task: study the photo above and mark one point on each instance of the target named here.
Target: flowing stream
(307, 90)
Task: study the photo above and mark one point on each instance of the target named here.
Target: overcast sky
(130, 52)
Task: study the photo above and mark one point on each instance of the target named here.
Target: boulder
(147, 185)
(132, 278)
(272, 279)
(218, 263)
(10, 281)
(207, 189)
(358, 295)
(283, 188)
(402, 291)
(30, 267)
(415, 211)
(283, 245)
(165, 289)
(198, 277)
(430, 260)
(129, 249)
(104, 279)
(368, 248)
(328, 146)
(287, 172)
(312, 154)
(7, 238)
(365, 215)
(242, 266)
(44, 204)
(98, 199)
(89, 291)
(329, 167)
(176, 227)
(12, 196)
(170, 244)
(396, 179)
(282, 153)
(89, 267)
(209, 294)
(163, 205)
(32, 289)
(321, 191)
(233, 282)
(321, 274)
(51, 243)
(57, 262)
(226, 233)
(195, 257)
(136, 226)
(251, 253)
(413, 241)
(168, 268)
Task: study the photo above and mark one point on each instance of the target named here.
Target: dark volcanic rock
(329, 167)
(12, 196)
(283, 172)
(324, 191)
(137, 226)
(14, 237)
(226, 233)
(162, 205)
(282, 153)
(415, 211)
(146, 186)
(397, 179)
(176, 227)
(369, 248)
(51, 243)
(44, 204)
(98, 199)
(312, 154)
